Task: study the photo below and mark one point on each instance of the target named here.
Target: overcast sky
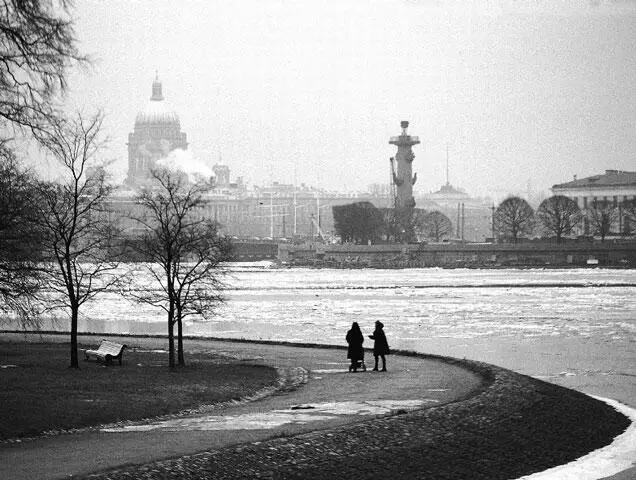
(523, 92)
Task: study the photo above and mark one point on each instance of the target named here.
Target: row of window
(615, 200)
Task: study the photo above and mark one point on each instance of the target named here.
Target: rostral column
(404, 179)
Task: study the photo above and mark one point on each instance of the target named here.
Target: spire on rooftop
(157, 95)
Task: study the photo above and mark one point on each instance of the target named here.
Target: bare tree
(401, 225)
(19, 241)
(436, 226)
(559, 215)
(602, 214)
(184, 252)
(514, 218)
(628, 208)
(73, 214)
(37, 46)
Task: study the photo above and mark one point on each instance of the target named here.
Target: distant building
(448, 196)
(278, 210)
(615, 186)
(471, 217)
(157, 132)
(222, 173)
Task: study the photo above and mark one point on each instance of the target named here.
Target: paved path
(345, 398)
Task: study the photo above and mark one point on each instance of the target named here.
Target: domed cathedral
(157, 132)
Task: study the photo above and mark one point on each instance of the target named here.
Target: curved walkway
(454, 420)
(411, 382)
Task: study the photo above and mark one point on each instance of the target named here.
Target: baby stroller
(358, 364)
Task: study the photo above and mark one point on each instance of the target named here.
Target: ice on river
(318, 305)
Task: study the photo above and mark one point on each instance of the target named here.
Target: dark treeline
(557, 217)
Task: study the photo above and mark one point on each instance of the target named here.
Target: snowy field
(575, 327)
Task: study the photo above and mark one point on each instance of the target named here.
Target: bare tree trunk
(171, 363)
(180, 359)
(174, 233)
(74, 315)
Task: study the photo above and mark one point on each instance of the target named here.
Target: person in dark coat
(355, 352)
(380, 345)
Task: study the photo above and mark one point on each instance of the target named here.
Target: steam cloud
(182, 161)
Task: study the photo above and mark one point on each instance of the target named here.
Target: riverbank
(528, 254)
(503, 426)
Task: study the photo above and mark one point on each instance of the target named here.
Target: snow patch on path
(275, 418)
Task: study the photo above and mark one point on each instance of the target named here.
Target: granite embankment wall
(467, 255)
(254, 251)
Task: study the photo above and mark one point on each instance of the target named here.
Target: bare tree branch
(20, 279)
(559, 215)
(514, 218)
(37, 46)
(602, 214)
(185, 248)
(77, 231)
(436, 226)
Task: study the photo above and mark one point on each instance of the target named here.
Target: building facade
(615, 187)
(471, 217)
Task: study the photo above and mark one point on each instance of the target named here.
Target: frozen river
(575, 327)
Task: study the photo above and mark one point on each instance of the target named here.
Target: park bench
(106, 352)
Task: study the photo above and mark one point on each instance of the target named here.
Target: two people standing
(355, 352)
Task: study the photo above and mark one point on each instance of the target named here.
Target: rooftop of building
(157, 111)
(449, 190)
(611, 178)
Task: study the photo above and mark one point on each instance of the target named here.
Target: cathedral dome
(157, 112)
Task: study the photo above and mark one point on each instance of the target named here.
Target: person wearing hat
(380, 345)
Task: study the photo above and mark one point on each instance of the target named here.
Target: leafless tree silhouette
(602, 214)
(559, 216)
(514, 218)
(37, 46)
(20, 278)
(184, 253)
(628, 208)
(436, 225)
(76, 231)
